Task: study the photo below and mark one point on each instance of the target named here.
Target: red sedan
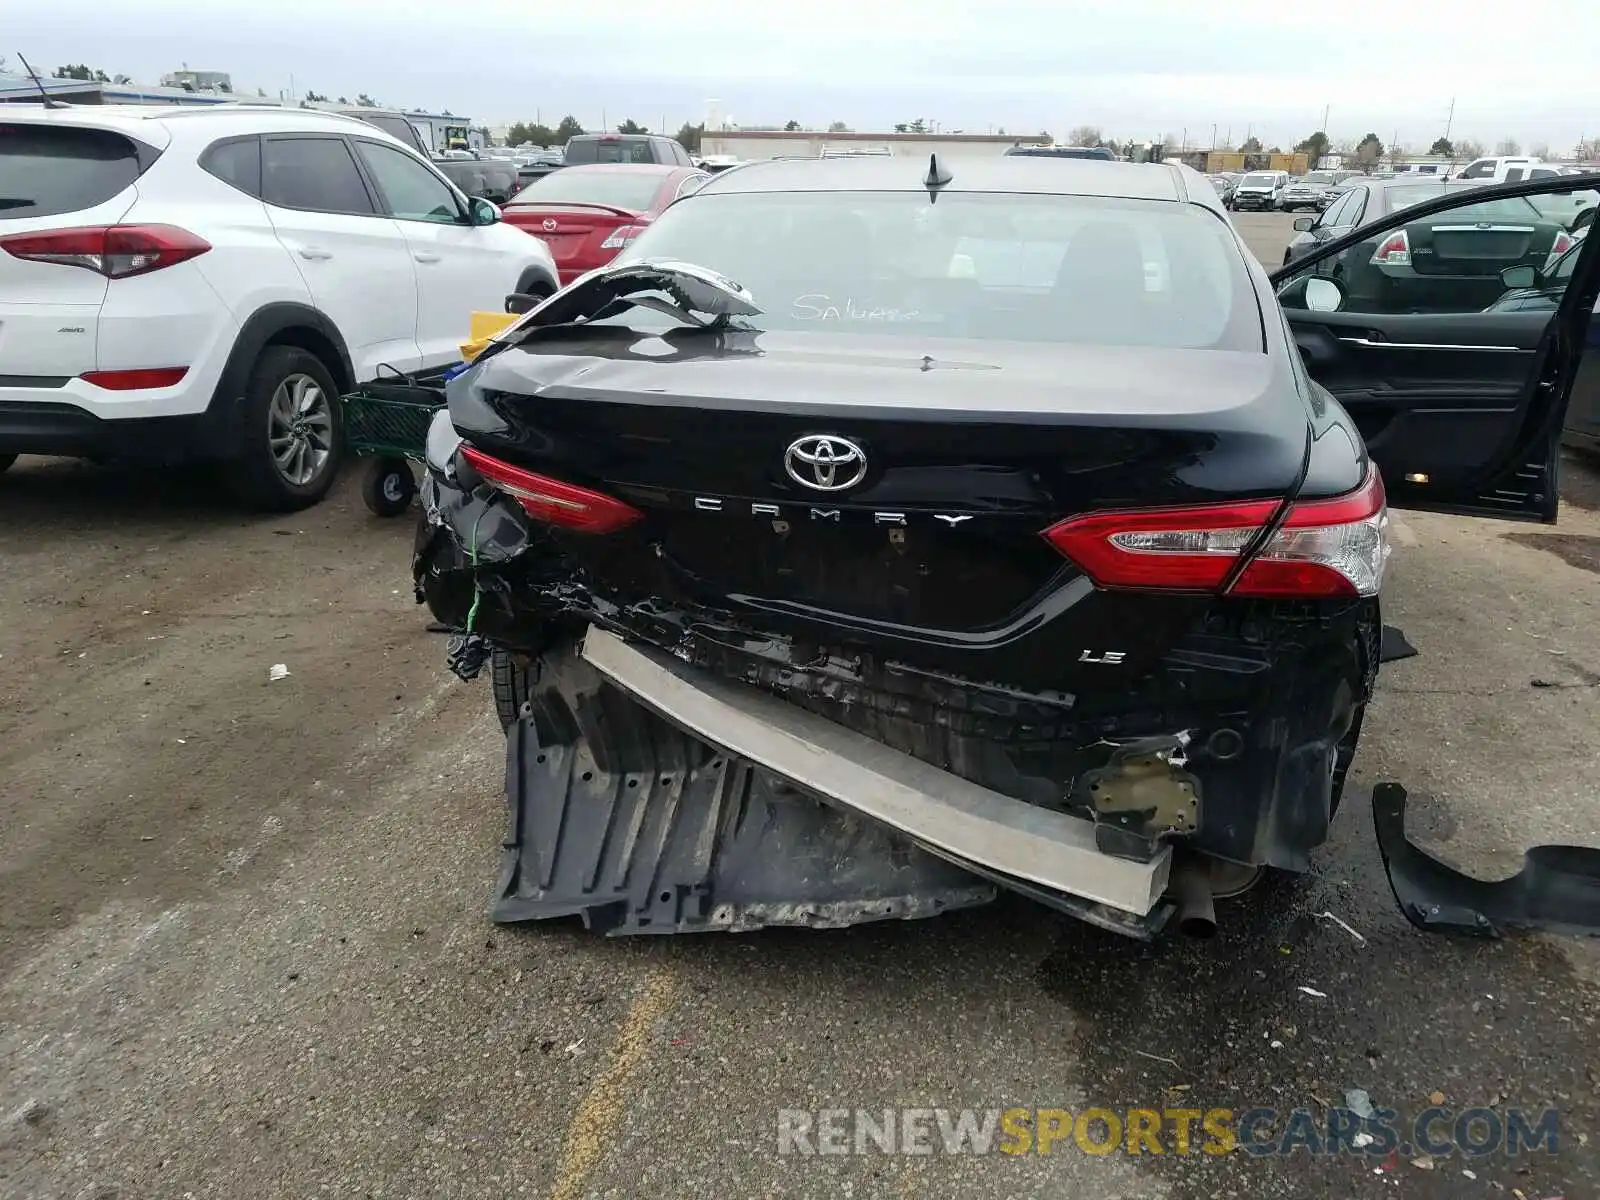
(585, 214)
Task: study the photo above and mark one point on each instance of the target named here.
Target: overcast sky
(1135, 68)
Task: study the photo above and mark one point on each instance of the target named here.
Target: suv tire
(290, 413)
(535, 283)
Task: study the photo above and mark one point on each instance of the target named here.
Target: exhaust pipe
(1191, 888)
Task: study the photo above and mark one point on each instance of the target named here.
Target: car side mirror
(1303, 223)
(483, 212)
(1312, 293)
(1518, 277)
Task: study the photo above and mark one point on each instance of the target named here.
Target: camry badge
(825, 462)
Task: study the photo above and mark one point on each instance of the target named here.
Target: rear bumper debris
(697, 843)
(1557, 890)
(949, 815)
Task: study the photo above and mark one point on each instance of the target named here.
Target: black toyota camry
(871, 534)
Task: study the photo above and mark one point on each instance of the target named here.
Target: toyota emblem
(549, 224)
(825, 462)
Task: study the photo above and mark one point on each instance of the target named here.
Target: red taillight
(550, 500)
(115, 251)
(1394, 251)
(1325, 548)
(1562, 244)
(132, 381)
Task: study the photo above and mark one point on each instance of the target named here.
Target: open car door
(1453, 331)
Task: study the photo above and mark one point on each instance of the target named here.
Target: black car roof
(1003, 173)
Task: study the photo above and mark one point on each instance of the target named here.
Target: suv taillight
(115, 251)
(1323, 549)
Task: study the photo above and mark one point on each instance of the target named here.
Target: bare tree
(1540, 150)
(1508, 145)
(1085, 135)
(1468, 149)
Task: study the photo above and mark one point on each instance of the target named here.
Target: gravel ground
(244, 951)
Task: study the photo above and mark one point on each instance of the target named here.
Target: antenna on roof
(937, 177)
(49, 102)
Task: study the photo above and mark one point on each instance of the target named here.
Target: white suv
(205, 283)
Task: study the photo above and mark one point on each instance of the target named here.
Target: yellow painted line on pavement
(604, 1105)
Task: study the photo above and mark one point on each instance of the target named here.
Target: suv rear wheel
(292, 439)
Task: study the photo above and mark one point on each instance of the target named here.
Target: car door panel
(354, 260)
(460, 266)
(1460, 409)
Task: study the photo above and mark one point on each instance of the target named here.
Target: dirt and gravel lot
(243, 949)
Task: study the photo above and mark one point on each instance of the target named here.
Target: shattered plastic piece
(1557, 890)
(1311, 991)
(1394, 646)
(695, 289)
(1358, 1102)
(1423, 1162)
(1468, 1174)
(277, 671)
(1362, 1140)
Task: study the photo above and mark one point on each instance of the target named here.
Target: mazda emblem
(549, 224)
(825, 463)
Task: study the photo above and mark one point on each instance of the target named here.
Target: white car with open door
(204, 283)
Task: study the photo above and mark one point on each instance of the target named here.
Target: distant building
(438, 131)
(19, 89)
(753, 144)
(198, 81)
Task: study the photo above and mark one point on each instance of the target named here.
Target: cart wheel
(389, 487)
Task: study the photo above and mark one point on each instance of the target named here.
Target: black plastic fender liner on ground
(619, 818)
(1557, 890)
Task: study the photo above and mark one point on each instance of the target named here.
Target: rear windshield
(1322, 177)
(396, 127)
(48, 170)
(1000, 266)
(612, 150)
(615, 189)
(1265, 181)
(1513, 207)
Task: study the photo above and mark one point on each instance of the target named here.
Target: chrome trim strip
(1360, 341)
(957, 819)
(1482, 228)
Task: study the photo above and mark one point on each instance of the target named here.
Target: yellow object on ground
(484, 326)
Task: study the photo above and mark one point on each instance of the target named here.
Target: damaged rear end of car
(796, 627)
